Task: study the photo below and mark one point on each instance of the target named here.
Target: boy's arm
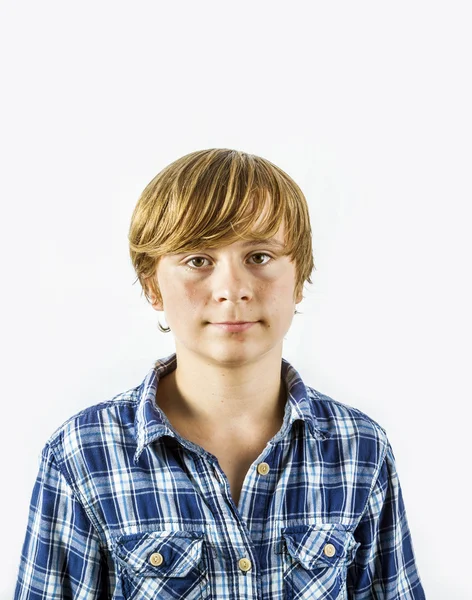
(61, 556)
(384, 567)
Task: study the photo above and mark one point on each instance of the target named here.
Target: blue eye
(198, 268)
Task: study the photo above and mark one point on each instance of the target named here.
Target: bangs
(215, 198)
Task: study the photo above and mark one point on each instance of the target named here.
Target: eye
(200, 258)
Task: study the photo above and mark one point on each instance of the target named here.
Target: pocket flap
(320, 545)
(180, 551)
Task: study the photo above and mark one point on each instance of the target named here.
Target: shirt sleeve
(61, 557)
(384, 566)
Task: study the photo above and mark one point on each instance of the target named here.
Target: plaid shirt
(123, 507)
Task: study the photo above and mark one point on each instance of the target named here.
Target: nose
(231, 282)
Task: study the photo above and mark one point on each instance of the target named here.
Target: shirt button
(329, 550)
(263, 468)
(244, 564)
(156, 559)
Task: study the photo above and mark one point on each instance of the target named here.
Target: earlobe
(154, 302)
(157, 305)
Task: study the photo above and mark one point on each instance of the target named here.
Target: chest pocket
(162, 564)
(316, 558)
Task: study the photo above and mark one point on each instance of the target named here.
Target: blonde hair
(202, 198)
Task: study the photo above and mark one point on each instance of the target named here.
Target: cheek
(282, 289)
(190, 295)
(281, 298)
(177, 294)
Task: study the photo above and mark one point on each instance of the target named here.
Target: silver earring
(163, 329)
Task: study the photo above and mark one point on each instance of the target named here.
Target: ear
(299, 297)
(156, 303)
(151, 285)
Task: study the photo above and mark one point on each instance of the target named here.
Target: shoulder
(338, 419)
(95, 426)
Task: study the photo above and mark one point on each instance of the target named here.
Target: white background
(367, 105)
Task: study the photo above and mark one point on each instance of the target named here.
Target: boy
(222, 475)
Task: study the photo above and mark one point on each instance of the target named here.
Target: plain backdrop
(367, 105)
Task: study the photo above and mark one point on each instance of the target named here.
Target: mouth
(232, 322)
(235, 326)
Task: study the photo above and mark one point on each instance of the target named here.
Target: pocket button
(156, 559)
(329, 550)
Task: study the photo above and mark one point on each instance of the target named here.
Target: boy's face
(237, 282)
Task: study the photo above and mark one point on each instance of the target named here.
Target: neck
(242, 399)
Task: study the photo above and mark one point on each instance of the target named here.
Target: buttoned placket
(245, 564)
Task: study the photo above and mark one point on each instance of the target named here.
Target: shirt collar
(151, 423)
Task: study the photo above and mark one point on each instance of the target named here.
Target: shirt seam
(78, 497)
(375, 480)
(59, 432)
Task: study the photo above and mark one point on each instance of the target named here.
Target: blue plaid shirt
(123, 507)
